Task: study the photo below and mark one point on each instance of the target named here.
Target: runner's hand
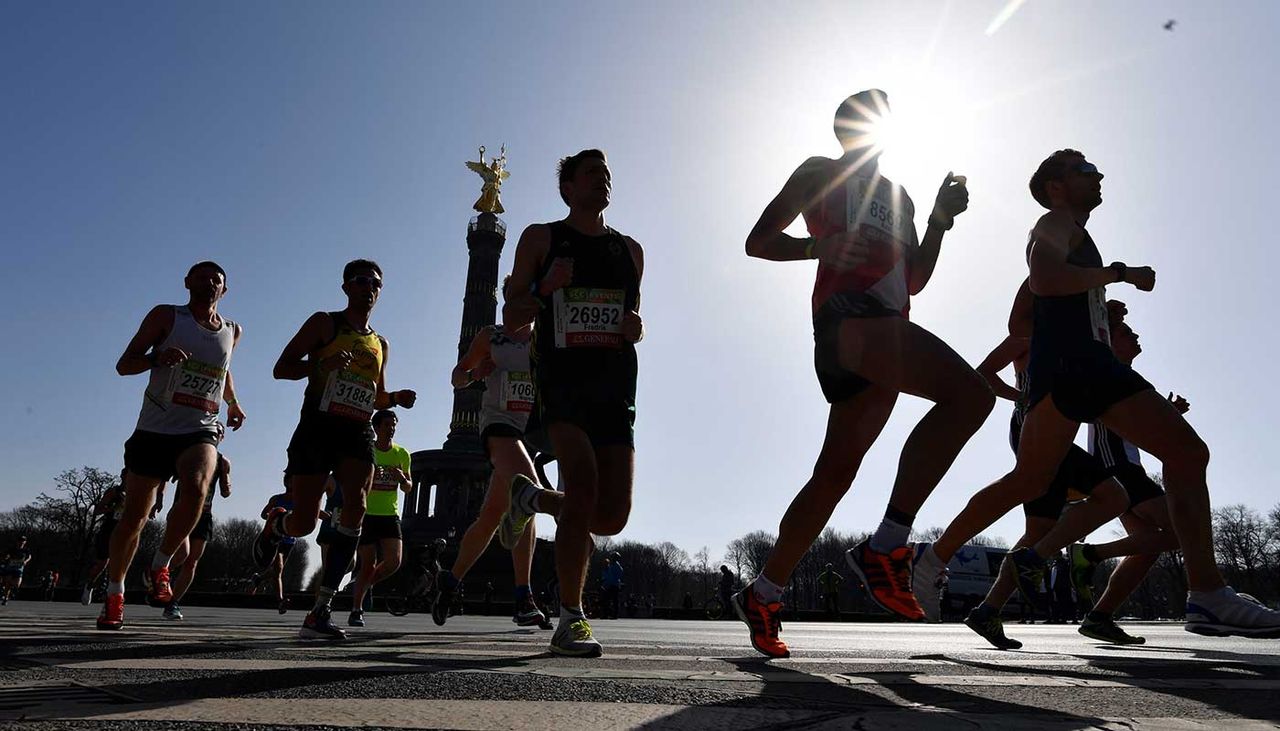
(235, 416)
(842, 250)
(483, 370)
(1116, 312)
(337, 361)
(1144, 278)
(632, 327)
(953, 198)
(171, 357)
(559, 275)
(406, 398)
(1179, 403)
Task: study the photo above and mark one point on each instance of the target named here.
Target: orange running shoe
(112, 616)
(762, 620)
(159, 593)
(887, 577)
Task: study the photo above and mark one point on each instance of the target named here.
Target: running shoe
(988, 625)
(1028, 572)
(887, 578)
(356, 618)
(159, 593)
(516, 519)
(267, 542)
(319, 626)
(763, 622)
(1082, 570)
(1106, 630)
(112, 616)
(86, 596)
(528, 614)
(573, 638)
(1228, 613)
(173, 611)
(283, 606)
(926, 585)
(445, 595)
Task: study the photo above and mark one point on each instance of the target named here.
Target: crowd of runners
(559, 379)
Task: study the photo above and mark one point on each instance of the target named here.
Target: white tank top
(508, 390)
(185, 398)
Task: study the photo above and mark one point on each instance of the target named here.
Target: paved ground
(239, 668)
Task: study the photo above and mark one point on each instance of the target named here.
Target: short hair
(356, 265)
(503, 287)
(211, 264)
(1054, 168)
(382, 415)
(859, 106)
(567, 166)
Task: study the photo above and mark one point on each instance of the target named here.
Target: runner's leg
(577, 459)
(1107, 501)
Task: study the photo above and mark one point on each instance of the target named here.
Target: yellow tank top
(347, 392)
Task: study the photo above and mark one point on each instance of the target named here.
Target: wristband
(939, 221)
(1120, 269)
(808, 248)
(232, 401)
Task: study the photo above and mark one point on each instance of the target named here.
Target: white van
(973, 570)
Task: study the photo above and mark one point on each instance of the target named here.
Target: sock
(1096, 616)
(324, 595)
(931, 559)
(341, 548)
(568, 612)
(160, 560)
(277, 525)
(893, 532)
(1202, 597)
(1090, 553)
(766, 591)
(115, 587)
(522, 592)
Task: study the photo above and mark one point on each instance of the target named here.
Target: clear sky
(285, 138)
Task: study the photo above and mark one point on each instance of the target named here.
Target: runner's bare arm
(1022, 314)
(767, 240)
(108, 496)
(1009, 350)
(295, 363)
(632, 324)
(139, 355)
(1053, 276)
(224, 465)
(476, 354)
(520, 310)
(385, 399)
(951, 201)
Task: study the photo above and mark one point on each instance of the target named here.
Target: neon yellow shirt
(384, 498)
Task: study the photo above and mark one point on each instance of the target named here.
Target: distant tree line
(60, 527)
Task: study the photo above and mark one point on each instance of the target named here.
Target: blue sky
(284, 138)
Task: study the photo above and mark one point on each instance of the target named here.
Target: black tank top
(578, 333)
(1072, 324)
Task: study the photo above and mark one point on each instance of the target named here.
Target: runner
(1075, 378)
(503, 363)
(187, 352)
(866, 352)
(344, 363)
(1048, 528)
(187, 557)
(381, 534)
(110, 506)
(275, 571)
(585, 278)
(1150, 532)
(829, 581)
(12, 568)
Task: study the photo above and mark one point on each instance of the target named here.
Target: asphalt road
(241, 668)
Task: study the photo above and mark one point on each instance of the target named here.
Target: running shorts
(322, 441)
(1136, 482)
(1080, 472)
(839, 384)
(1084, 384)
(204, 527)
(377, 527)
(148, 454)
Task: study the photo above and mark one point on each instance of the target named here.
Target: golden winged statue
(493, 173)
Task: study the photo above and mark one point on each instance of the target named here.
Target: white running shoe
(926, 584)
(1224, 613)
(574, 638)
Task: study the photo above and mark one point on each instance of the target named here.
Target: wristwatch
(1120, 269)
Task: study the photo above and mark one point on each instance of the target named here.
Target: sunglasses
(370, 282)
(1086, 168)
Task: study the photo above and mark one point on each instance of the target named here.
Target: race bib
(197, 385)
(874, 206)
(1098, 319)
(348, 394)
(517, 390)
(385, 479)
(586, 317)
